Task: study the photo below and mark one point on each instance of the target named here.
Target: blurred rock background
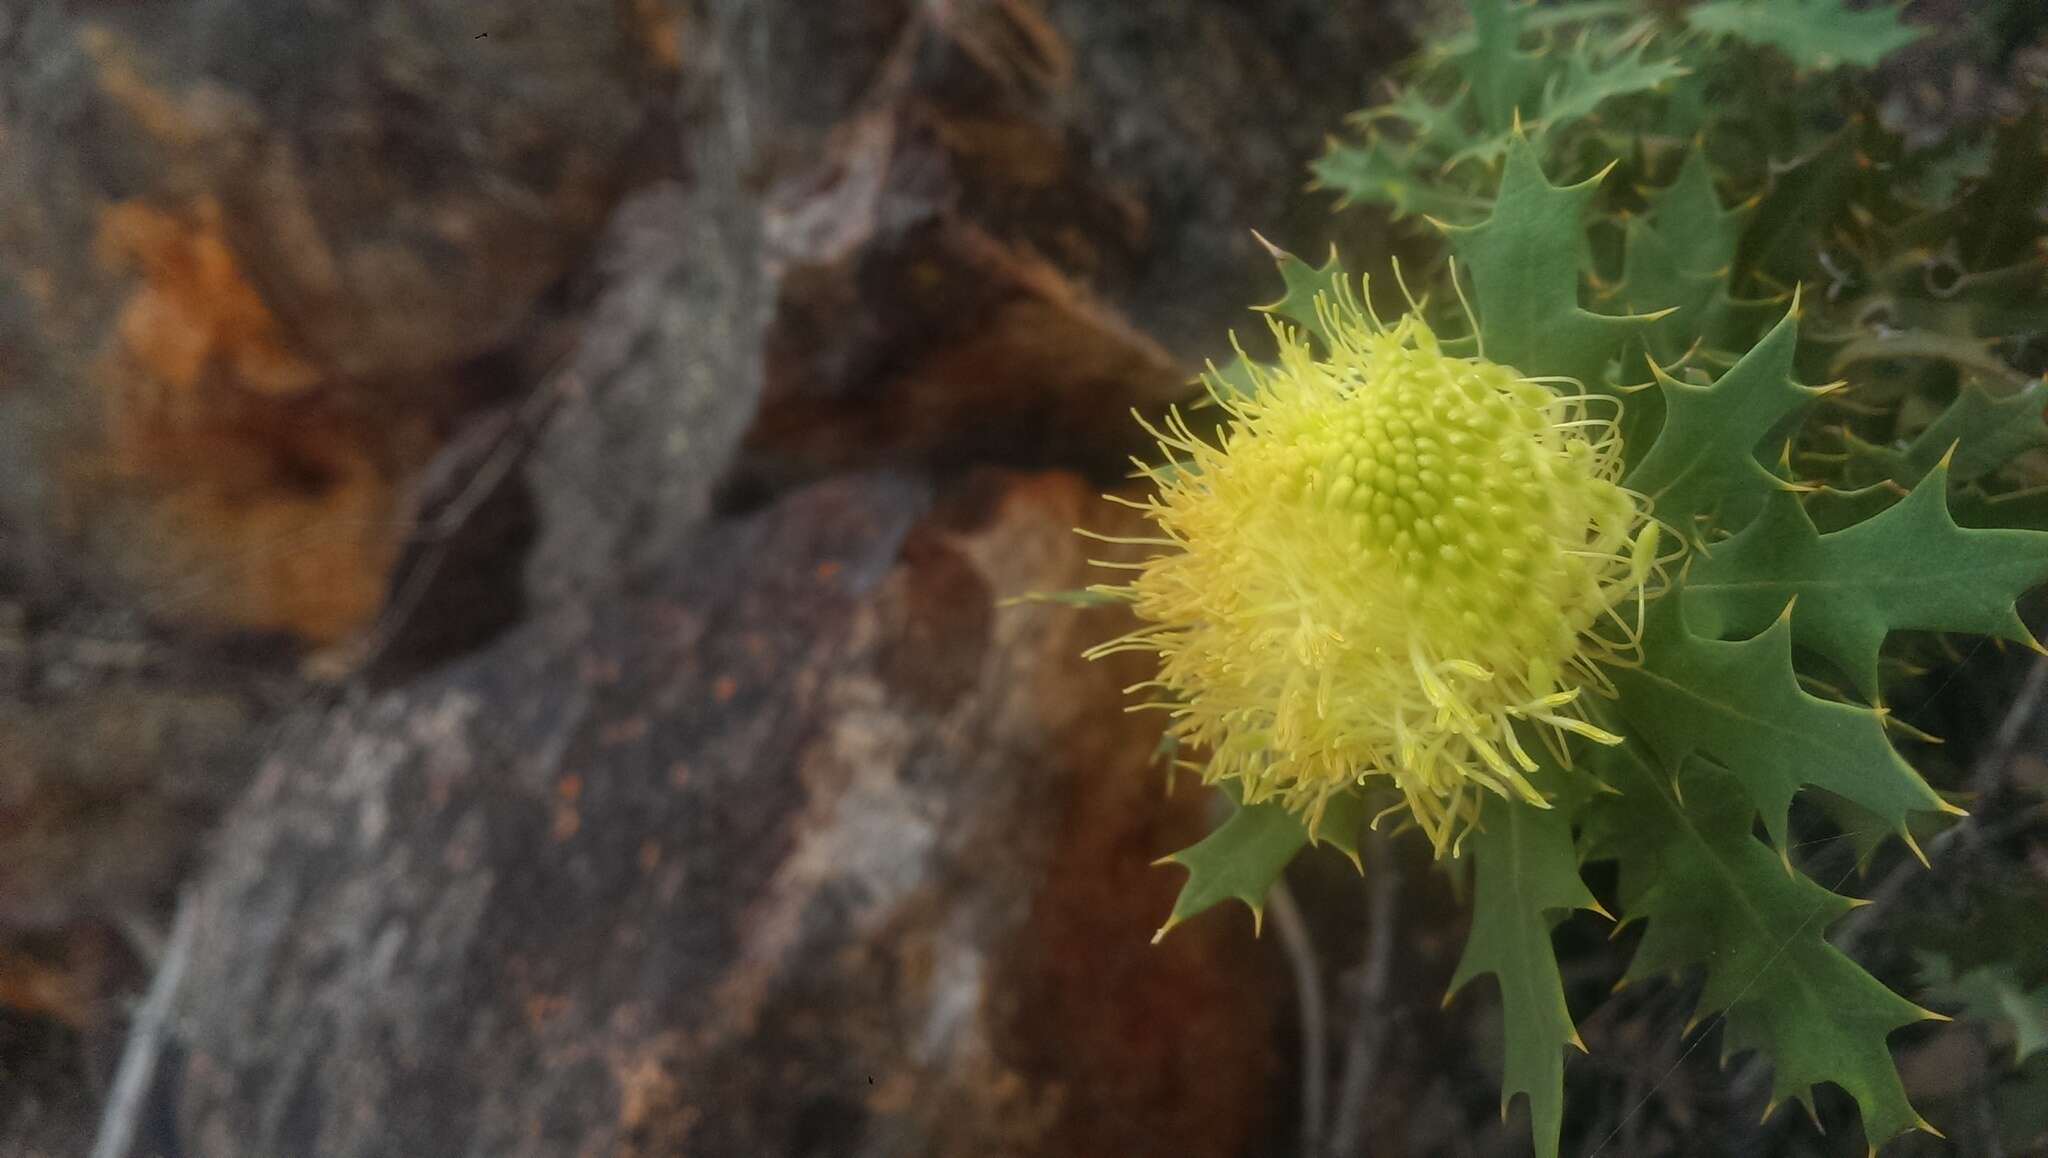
(506, 502)
(506, 508)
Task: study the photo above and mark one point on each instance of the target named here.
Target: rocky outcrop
(809, 847)
(581, 449)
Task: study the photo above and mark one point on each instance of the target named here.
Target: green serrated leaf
(1715, 897)
(1958, 164)
(1864, 832)
(1910, 567)
(1242, 858)
(2028, 509)
(2028, 1015)
(1342, 825)
(1524, 261)
(1832, 509)
(1375, 173)
(1805, 197)
(1703, 234)
(1739, 703)
(1589, 81)
(2000, 305)
(1527, 877)
(1704, 458)
(1985, 431)
(1238, 861)
(2001, 918)
(1499, 73)
(1966, 353)
(1432, 130)
(1820, 34)
(1306, 285)
(1550, 18)
(1679, 256)
(1991, 994)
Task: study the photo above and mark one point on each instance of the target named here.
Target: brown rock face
(808, 849)
(255, 253)
(627, 398)
(935, 272)
(1032, 223)
(261, 493)
(260, 262)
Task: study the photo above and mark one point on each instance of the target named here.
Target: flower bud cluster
(1392, 561)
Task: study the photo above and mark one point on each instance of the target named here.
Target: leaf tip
(1914, 845)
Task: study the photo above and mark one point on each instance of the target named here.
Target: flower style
(1390, 558)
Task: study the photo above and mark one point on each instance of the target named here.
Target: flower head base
(1390, 558)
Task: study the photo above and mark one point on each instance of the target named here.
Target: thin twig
(137, 1073)
(1308, 997)
(508, 445)
(1368, 1027)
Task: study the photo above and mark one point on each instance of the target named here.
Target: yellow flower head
(1389, 558)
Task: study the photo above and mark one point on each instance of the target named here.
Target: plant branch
(1308, 997)
(1369, 1025)
(137, 1073)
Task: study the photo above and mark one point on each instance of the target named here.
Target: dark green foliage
(1527, 874)
(1817, 336)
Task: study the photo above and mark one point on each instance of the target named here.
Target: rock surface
(584, 444)
(810, 848)
(256, 254)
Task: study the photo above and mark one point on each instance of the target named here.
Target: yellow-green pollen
(1389, 558)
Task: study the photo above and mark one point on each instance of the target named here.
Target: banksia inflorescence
(1421, 574)
(1390, 557)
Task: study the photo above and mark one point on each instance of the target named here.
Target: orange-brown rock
(397, 326)
(256, 266)
(1025, 228)
(810, 848)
